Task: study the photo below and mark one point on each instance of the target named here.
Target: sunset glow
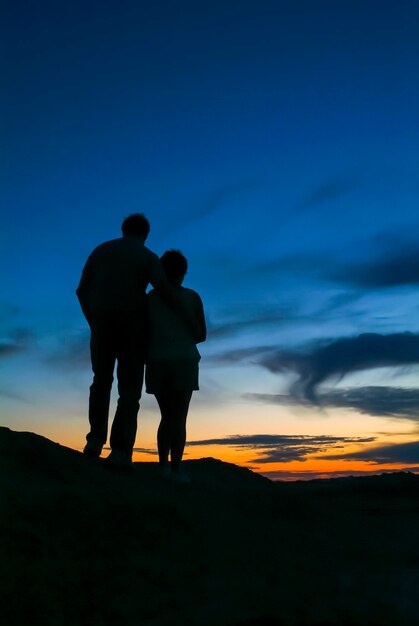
(276, 145)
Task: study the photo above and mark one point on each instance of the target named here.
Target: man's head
(136, 225)
(175, 266)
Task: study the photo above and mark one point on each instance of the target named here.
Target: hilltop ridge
(82, 544)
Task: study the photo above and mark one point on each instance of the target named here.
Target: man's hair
(174, 264)
(136, 225)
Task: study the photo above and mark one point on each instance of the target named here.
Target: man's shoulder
(135, 246)
(150, 254)
(106, 245)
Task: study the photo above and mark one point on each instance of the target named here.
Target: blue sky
(275, 144)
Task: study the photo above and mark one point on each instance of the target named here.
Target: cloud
(18, 341)
(375, 400)
(214, 201)
(253, 321)
(10, 395)
(290, 266)
(281, 448)
(230, 357)
(393, 453)
(339, 357)
(151, 451)
(8, 312)
(327, 192)
(73, 355)
(380, 401)
(316, 474)
(393, 269)
(316, 363)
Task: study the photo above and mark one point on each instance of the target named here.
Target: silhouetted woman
(172, 364)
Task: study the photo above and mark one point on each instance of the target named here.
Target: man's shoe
(119, 459)
(93, 448)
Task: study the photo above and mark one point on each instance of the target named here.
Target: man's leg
(102, 351)
(130, 372)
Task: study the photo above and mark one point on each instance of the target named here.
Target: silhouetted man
(112, 297)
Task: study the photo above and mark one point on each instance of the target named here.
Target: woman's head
(175, 266)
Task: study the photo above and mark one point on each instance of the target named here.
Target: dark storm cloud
(339, 357)
(393, 453)
(281, 448)
(397, 402)
(390, 270)
(16, 342)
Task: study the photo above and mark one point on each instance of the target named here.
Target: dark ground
(85, 545)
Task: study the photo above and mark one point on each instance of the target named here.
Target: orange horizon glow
(310, 468)
(206, 423)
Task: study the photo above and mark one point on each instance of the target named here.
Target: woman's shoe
(180, 477)
(164, 470)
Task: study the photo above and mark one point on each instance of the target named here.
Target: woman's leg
(180, 407)
(163, 432)
(171, 435)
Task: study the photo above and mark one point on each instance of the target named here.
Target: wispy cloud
(8, 312)
(307, 265)
(392, 269)
(282, 448)
(213, 201)
(247, 322)
(315, 363)
(151, 451)
(11, 395)
(239, 355)
(74, 353)
(316, 475)
(16, 342)
(379, 401)
(327, 192)
(338, 357)
(392, 453)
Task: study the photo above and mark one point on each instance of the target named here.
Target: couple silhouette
(156, 331)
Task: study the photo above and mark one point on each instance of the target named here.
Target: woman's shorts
(171, 375)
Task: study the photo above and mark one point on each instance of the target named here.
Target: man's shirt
(115, 277)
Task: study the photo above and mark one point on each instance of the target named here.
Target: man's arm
(200, 315)
(82, 290)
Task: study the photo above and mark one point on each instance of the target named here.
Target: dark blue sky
(275, 143)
